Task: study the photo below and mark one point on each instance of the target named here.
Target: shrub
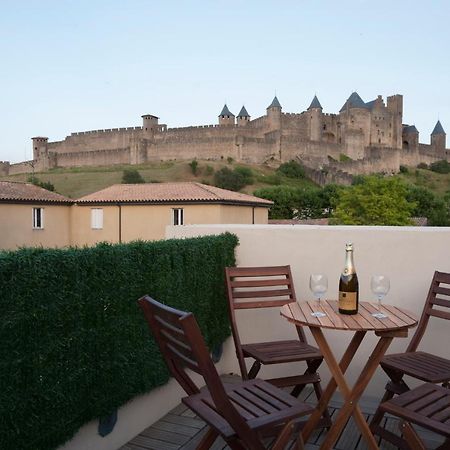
(229, 179)
(422, 165)
(291, 169)
(403, 169)
(209, 170)
(132, 176)
(75, 345)
(230, 160)
(43, 184)
(194, 166)
(442, 166)
(344, 158)
(247, 174)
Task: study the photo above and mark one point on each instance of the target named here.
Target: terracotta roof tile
(11, 191)
(169, 192)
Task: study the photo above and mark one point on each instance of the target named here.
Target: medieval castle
(364, 137)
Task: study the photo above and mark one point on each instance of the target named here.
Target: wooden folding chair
(427, 406)
(269, 287)
(240, 413)
(417, 364)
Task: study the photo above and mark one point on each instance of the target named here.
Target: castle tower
(40, 150)
(226, 118)
(274, 114)
(410, 137)
(243, 117)
(315, 120)
(395, 108)
(149, 123)
(438, 137)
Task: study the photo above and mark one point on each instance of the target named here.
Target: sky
(79, 65)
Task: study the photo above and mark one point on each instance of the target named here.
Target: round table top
(300, 314)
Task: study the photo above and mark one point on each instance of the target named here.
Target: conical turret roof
(226, 111)
(275, 103)
(243, 112)
(315, 104)
(410, 129)
(438, 129)
(354, 101)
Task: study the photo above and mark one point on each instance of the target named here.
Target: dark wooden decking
(180, 429)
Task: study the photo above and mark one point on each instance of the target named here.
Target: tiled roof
(275, 103)
(438, 129)
(226, 111)
(410, 129)
(243, 112)
(315, 103)
(354, 101)
(170, 193)
(13, 191)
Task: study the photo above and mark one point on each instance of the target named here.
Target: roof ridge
(205, 188)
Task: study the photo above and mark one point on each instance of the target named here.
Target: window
(38, 218)
(97, 218)
(177, 216)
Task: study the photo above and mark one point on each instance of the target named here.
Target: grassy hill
(78, 181)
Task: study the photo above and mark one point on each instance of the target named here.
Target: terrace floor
(180, 429)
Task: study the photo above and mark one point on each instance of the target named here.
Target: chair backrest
(183, 347)
(257, 287)
(437, 305)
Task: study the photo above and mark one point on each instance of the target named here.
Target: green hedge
(74, 344)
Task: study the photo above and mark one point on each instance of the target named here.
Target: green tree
(229, 179)
(246, 173)
(132, 176)
(374, 201)
(429, 205)
(442, 166)
(285, 198)
(194, 166)
(291, 169)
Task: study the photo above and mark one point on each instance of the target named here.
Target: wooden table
(395, 325)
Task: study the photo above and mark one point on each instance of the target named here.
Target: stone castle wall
(368, 135)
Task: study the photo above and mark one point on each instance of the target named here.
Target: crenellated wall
(371, 134)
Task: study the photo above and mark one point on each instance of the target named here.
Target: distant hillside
(79, 181)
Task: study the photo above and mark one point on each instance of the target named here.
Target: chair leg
(208, 440)
(411, 437)
(326, 415)
(254, 370)
(284, 436)
(378, 416)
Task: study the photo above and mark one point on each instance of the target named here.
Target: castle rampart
(370, 134)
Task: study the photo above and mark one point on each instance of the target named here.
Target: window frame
(177, 216)
(37, 220)
(97, 219)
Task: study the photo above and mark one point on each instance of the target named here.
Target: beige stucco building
(32, 216)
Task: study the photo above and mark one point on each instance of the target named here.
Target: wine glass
(318, 283)
(380, 286)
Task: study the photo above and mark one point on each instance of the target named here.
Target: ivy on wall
(74, 344)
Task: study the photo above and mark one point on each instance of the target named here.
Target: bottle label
(347, 300)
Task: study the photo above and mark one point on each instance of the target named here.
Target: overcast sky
(84, 65)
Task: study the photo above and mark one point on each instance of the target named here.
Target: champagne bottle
(348, 285)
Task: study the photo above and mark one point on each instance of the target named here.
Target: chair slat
(192, 364)
(261, 304)
(441, 302)
(438, 313)
(258, 271)
(259, 283)
(258, 294)
(442, 290)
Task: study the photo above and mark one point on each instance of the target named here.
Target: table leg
(351, 396)
(331, 387)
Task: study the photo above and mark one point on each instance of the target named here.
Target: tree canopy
(374, 200)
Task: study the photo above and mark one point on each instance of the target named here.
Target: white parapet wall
(408, 255)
